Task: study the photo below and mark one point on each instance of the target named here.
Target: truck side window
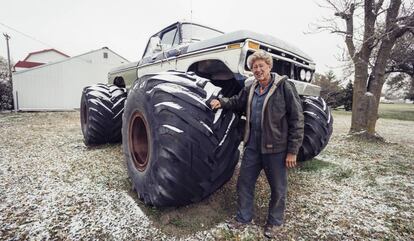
(153, 46)
(168, 39)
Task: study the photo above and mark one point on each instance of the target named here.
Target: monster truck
(177, 149)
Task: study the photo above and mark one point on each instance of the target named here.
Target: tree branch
(378, 6)
(349, 33)
(339, 32)
(332, 5)
(387, 41)
(408, 25)
(369, 30)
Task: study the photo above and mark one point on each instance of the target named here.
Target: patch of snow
(206, 126)
(173, 88)
(209, 88)
(170, 104)
(99, 95)
(98, 102)
(310, 113)
(217, 115)
(173, 128)
(175, 79)
(317, 107)
(227, 130)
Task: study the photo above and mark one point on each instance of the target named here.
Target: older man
(273, 134)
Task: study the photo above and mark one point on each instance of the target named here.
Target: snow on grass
(53, 187)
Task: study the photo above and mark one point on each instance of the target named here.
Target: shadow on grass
(180, 221)
(93, 147)
(189, 219)
(217, 208)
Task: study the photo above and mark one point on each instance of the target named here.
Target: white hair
(260, 54)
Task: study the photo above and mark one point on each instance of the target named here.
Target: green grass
(314, 165)
(341, 112)
(338, 173)
(390, 111)
(153, 212)
(179, 223)
(397, 111)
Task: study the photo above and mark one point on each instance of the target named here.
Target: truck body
(220, 57)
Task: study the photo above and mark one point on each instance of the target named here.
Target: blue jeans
(274, 166)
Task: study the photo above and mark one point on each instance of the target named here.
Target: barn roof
(27, 64)
(44, 51)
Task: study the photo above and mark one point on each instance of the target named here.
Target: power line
(26, 35)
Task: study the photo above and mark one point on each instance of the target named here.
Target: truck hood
(242, 35)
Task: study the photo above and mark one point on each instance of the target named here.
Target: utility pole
(8, 57)
(10, 70)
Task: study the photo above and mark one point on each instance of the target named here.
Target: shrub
(347, 97)
(6, 95)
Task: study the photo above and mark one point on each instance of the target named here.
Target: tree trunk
(366, 97)
(377, 80)
(367, 88)
(372, 113)
(359, 100)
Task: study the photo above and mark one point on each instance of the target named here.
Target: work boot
(270, 231)
(234, 224)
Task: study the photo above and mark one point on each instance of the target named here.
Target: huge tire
(178, 150)
(101, 113)
(318, 127)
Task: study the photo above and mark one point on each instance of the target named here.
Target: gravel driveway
(53, 187)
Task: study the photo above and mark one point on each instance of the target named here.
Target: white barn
(58, 85)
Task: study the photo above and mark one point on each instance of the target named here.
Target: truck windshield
(195, 33)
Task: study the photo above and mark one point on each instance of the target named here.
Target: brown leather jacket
(282, 115)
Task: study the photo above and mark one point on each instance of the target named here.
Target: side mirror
(155, 44)
(158, 48)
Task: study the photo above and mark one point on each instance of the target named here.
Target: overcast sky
(78, 26)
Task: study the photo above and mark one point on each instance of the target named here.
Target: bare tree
(370, 29)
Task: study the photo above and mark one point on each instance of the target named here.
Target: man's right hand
(215, 104)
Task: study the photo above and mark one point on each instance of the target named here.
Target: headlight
(302, 74)
(308, 76)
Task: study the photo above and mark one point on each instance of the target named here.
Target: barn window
(105, 55)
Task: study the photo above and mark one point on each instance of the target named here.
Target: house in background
(58, 85)
(40, 57)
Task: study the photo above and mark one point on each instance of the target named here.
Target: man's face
(261, 70)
